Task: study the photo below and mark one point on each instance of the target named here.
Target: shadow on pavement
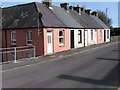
(110, 80)
(109, 59)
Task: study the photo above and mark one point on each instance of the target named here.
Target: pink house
(55, 40)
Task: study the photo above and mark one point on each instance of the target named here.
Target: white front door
(49, 42)
(86, 37)
(95, 36)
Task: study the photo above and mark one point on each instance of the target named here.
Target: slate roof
(100, 22)
(26, 16)
(80, 19)
(48, 18)
(93, 23)
(65, 17)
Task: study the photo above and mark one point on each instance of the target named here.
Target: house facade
(47, 29)
(91, 27)
(105, 30)
(76, 31)
(55, 40)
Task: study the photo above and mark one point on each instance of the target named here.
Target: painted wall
(89, 40)
(55, 39)
(99, 39)
(76, 44)
(37, 41)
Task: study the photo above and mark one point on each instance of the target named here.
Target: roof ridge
(19, 5)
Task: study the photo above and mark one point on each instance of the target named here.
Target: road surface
(95, 68)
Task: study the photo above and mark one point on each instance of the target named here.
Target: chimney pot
(78, 5)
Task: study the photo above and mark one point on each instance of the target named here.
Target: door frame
(72, 39)
(50, 32)
(86, 38)
(104, 35)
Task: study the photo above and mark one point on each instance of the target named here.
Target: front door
(104, 35)
(86, 37)
(49, 42)
(72, 38)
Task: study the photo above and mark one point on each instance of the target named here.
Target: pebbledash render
(50, 29)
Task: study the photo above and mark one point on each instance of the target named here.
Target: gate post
(15, 57)
(34, 52)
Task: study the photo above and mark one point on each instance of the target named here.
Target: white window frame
(61, 44)
(108, 34)
(100, 34)
(92, 35)
(13, 39)
(79, 36)
(28, 37)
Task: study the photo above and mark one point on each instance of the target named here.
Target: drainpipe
(6, 43)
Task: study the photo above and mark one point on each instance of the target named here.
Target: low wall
(115, 38)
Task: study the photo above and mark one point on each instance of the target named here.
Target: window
(79, 36)
(61, 37)
(13, 37)
(107, 34)
(100, 34)
(29, 35)
(49, 39)
(91, 34)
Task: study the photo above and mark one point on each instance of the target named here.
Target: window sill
(79, 42)
(29, 44)
(61, 45)
(14, 45)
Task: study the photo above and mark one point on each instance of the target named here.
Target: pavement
(92, 67)
(37, 60)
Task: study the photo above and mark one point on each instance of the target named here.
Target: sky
(112, 7)
(119, 14)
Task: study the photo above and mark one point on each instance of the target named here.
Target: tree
(104, 18)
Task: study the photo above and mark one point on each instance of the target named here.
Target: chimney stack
(64, 5)
(82, 9)
(48, 3)
(94, 13)
(88, 11)
(79, 9)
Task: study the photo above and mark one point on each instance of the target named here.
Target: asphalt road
(96, 68)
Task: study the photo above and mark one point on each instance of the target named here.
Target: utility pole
(106, 12)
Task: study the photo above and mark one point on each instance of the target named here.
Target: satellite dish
(70, 7)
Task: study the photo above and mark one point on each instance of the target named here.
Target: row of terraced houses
(51, 29)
